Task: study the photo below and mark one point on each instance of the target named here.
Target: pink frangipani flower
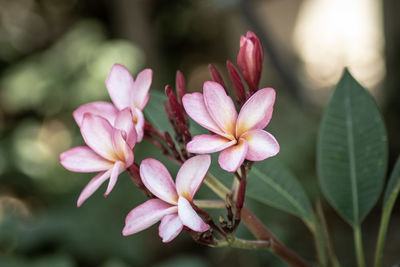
(238, 137)
(108, 150)
(125, 92)
(173, 203)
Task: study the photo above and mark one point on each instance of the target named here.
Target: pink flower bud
(250, 59)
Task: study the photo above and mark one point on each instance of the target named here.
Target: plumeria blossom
(173, 203)
(108, 150)
(238, 137)
(125, 92)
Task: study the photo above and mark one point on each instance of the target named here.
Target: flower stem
(359, 246)
(256, 226)
(245, 244)
(209, 204)
(387, 210)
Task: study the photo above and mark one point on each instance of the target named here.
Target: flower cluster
(111, 131)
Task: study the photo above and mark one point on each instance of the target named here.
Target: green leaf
(352, 151)
(271, 183)
(155, 112)
(393, 186)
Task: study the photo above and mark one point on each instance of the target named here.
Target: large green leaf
(352, 151)
(271, 183)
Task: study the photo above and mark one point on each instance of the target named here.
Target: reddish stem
(262, 233)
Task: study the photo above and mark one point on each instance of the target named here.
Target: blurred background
(55, 55)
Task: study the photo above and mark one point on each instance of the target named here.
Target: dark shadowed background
(55, 55)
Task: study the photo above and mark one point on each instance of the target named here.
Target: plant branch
(256, 226)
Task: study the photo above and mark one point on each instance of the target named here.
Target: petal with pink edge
(157, 179)
(120, 84)
(231, 158)
(124, 122)
(102, 109)
(170, 227)
(145, 215)
(97, 133)
(118, 168)
(84, 159)
(93, 185)
(189, 217)
(262, 145)
(256, 112)
(206, 143)
(140, 92)
(220, 106)
(138, 119)
(196, 109)
(191, 175)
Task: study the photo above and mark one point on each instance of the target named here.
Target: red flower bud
(176, 108)
(249, 60)
(237, 83)
(180, 86)
(216, 76)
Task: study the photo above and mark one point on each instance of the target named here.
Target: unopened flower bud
(175, 107)
(250, 59)
(180, 86)
(216, 76)
(237, 83)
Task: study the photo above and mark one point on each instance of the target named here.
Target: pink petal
(262, 145)
(118, 168)
(220, 106)
(102, 109)
(140, 93)
(120, 85)
(124, 122)
(231, 158)
(122, 150)
(206, 143)
(84, 159)
(97, 133)
(191, 175)
(256, 112)
(139, 123)
(189, 217)
(170, 227)
(196, 109)
(145, 215)
(246, 61)
(157, 179)
(93, 185)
